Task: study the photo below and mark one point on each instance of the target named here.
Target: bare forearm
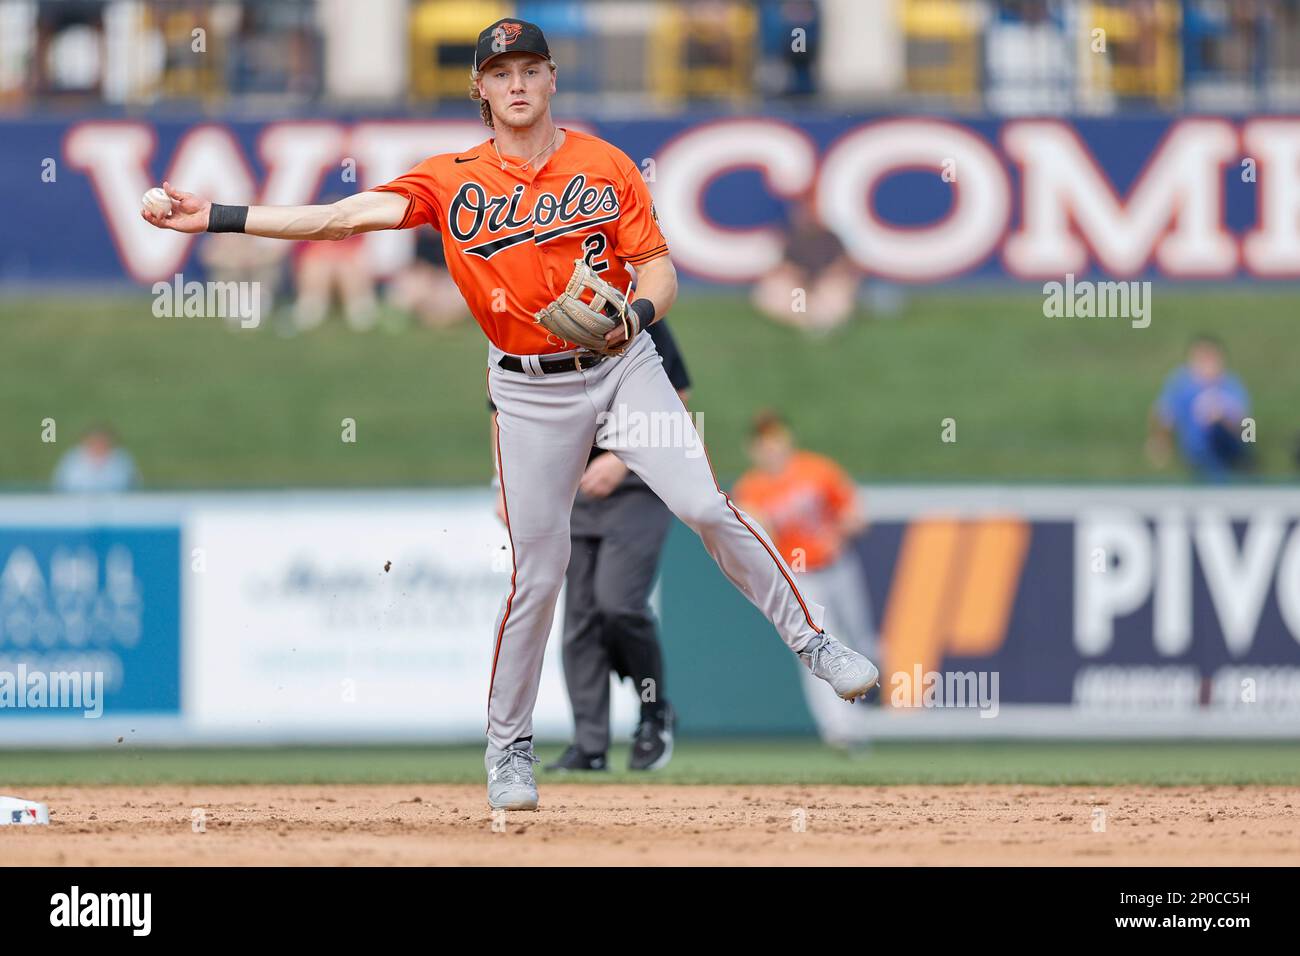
(1156, 427)
(364, 212)
(657, 281)
(296, 222)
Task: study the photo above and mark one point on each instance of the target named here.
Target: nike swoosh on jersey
(459, 160)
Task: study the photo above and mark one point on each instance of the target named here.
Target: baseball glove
(584, 321)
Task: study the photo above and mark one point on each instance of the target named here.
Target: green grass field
(713, 762)
(1034, 398)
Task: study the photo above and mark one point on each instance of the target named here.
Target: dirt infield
(340, 825)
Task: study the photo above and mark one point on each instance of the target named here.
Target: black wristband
(645, 312)
(227, 218)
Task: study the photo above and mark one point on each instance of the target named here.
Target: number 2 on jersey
(595, 245)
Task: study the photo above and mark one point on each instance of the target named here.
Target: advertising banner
(89, 624)
(352, 619)
(1037, 611)
(912, 199)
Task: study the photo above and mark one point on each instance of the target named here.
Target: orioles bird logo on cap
(506, 34)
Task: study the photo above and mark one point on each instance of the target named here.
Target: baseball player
(618, 529)
(813, 511)
(540, 225)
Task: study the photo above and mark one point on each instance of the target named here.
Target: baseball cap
(509, 36)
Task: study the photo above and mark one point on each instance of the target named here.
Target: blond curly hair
(484, 108)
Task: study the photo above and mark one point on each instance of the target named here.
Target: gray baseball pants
(545, 428)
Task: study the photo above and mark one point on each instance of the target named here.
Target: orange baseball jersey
(511, 235)
(800, 506)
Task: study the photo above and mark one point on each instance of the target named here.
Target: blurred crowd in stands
(304, 284)
(1007, 56)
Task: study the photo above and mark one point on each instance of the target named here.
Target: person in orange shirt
(813, 511)
(516, 212)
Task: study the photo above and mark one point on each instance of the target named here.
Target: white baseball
(157, 202)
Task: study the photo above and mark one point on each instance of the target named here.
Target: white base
(16, 812)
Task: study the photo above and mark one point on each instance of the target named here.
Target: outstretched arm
(364, 212)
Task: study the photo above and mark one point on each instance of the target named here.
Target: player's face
(518, 87)
(771, 450)
(1206, 362)
(98, 444)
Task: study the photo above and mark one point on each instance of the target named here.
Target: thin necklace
(524, 165)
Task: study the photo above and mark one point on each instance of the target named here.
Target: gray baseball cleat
(510, 778)
(847, 671)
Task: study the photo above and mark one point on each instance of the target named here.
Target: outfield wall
(300, 617)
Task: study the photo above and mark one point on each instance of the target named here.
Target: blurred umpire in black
(618, 527)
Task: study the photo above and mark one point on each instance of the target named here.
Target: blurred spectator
(1202, 406)
(815, 286)
(96, 464)
(788, 34)
(232, 257)
(325, 270)
(425, 288)
(277, 49)
(69, 49)
(711, 36)
(1028, 66)
(812, 511)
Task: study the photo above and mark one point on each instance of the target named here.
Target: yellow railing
(702, 52)
(188, 74)
(1143, 56)
(442, 37)
(943, 46)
